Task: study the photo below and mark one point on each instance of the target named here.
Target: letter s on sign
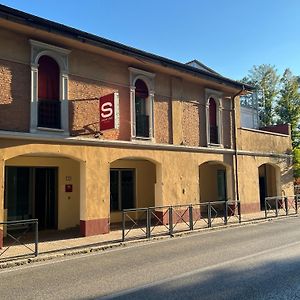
(106, 110)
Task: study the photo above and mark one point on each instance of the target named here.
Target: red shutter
(48, 81)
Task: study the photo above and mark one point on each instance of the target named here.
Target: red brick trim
(94, 227)
(247, 208)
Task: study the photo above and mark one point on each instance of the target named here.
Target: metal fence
(162, 220)
(281, 205)
(16, 231)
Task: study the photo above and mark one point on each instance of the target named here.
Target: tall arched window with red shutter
(49, 115)
(141, 113)
(213, 124)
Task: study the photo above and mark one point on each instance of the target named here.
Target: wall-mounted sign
(109, 111)
(69, 188)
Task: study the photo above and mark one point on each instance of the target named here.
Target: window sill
(215, 145)
(48, 131)
(142, 139)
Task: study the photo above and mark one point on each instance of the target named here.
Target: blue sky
(229, 36)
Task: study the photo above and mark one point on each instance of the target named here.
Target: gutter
(235, 144)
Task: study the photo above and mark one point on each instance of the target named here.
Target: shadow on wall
(14, 97)
(233, 281)
(84, 117)
(287, 175)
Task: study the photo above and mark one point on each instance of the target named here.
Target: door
(46, 197)
(262, 192)
(221, 181)
(122, 193)
(32, 193)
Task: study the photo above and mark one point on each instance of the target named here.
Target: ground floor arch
(133, 184)
(43, 186)
(215, 180)
(269, 182)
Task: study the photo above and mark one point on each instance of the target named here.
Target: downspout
(235, 144)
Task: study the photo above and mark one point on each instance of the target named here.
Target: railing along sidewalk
(20, 232)
(164, 219)
(274, 205)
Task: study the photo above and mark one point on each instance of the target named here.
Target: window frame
(217, 96)
(148, 78)
(120, 170)
(60, 55)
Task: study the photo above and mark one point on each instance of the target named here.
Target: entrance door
(221, 182)
(262, 192)
(32, 193)
(46, 197)
(121, 189)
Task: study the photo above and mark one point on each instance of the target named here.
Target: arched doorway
(43, 186)
(132, 185)
(215, 181)
(269, 185)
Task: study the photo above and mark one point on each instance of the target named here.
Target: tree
(288, 104)
(265, 79)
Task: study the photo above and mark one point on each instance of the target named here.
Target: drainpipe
(235, 144)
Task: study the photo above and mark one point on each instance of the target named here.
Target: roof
(197, 64)
(20, 17)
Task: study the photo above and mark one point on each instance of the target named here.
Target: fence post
(209, 214)
(123, 226)
(276, 206)
(286, 204)
(225, 212)
(148, 229)
(296, 203)
(266, 213)
(36, 238)
(239, 211)
(191, 217)
(171, 220)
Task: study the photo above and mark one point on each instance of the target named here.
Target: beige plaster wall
(254, 140)
(209, 183)
(248, 173)
(177, 173)
(68, 203)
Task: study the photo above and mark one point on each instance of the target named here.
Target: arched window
(141, 109)
(213, 126)
(48, 93)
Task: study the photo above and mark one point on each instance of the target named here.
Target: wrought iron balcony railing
(142, 126)
(49, 115)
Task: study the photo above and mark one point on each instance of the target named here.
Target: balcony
(142, 126)
(49, 115)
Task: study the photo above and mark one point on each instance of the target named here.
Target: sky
(229, 36)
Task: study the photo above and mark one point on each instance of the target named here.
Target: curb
(86, 250)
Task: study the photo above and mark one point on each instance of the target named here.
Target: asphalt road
(259, 261)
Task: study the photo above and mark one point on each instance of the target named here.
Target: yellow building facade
(175, 136)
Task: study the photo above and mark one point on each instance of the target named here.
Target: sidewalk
(62, 243)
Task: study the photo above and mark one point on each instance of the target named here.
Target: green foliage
(266, 81)
(288, 104)
(296, 153)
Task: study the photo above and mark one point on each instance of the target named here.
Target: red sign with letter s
(107, 108)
